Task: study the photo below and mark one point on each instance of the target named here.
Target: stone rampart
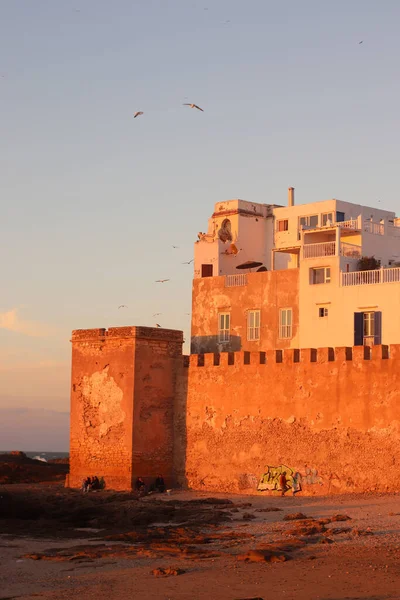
(330, 417)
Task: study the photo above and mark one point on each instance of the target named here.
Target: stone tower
(122, 404)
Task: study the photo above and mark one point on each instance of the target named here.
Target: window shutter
(378, 328)
(359, 329)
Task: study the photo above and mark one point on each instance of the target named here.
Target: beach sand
(56, 543)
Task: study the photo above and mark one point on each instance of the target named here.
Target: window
(206, 270)
(285, 323)
(339, 217)
(323, 312)
(367, 328)
(283, 225)
(320, 275)
(310, 221)
(253, 325)
(369, 324)
(326, 219)
(224, 324)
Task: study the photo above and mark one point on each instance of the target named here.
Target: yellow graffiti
(294, 479)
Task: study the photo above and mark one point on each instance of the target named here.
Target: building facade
(275, 277)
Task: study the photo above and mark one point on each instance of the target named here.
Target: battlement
(149, 333)
(293, 356)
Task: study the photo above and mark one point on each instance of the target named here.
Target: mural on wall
(270, 479)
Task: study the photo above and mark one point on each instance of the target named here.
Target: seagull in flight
(175, 246)
(193, 106)
(161, 280)
(122, 306)
(362, 41)
(137, 114)
(187, 262)
(157, 314)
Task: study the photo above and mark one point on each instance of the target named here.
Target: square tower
(122, 404)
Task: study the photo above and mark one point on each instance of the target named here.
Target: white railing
(329, 249)
(350, 250)
(236, 280)
(375, 228)
(389, 275)
(349, 224)
(317, 250)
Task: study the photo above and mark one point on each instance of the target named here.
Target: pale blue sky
(93, 200)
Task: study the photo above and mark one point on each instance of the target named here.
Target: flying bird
(187, 262)
(175, 246)
(157, 314)
(157, 325)
(193, 106)
(161, 280)
(137, 114)
(362, 41)
(122, 306)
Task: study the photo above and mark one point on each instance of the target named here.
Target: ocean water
(44, 456)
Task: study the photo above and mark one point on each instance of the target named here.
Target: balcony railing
(389, 275)
(349, 224)
(236, 280)
(375, 228)
(329, 249)
(317, 250)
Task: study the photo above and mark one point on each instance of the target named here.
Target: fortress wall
(330, 417)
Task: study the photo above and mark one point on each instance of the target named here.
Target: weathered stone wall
(329, 417)
(122, 403)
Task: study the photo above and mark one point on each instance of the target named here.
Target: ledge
(148, 333)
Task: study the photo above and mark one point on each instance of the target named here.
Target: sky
(92, 200)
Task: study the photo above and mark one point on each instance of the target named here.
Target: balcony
(329, 249)
(353, 224)
(389, 275)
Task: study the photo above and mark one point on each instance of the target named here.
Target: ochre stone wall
(266, 291)
(122, 404)
(329, 417)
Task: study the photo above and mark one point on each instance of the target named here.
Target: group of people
(157, 486)
(92, 483)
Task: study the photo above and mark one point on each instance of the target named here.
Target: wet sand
(106, 545)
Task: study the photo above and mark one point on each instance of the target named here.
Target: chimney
(290, 196)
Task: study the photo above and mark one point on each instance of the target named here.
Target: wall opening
(206, 270)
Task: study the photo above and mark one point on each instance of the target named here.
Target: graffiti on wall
(295, 479)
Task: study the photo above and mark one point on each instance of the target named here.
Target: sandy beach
(56, 543)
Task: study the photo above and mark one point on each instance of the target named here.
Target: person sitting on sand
(140, 485)
(160, 485)
(95, 483)
(86, 485)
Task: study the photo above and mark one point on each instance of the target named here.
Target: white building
(336, 304)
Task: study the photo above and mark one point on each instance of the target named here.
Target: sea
(43, 456)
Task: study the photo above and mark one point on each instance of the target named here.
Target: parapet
(149, 333)
(293, 356)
